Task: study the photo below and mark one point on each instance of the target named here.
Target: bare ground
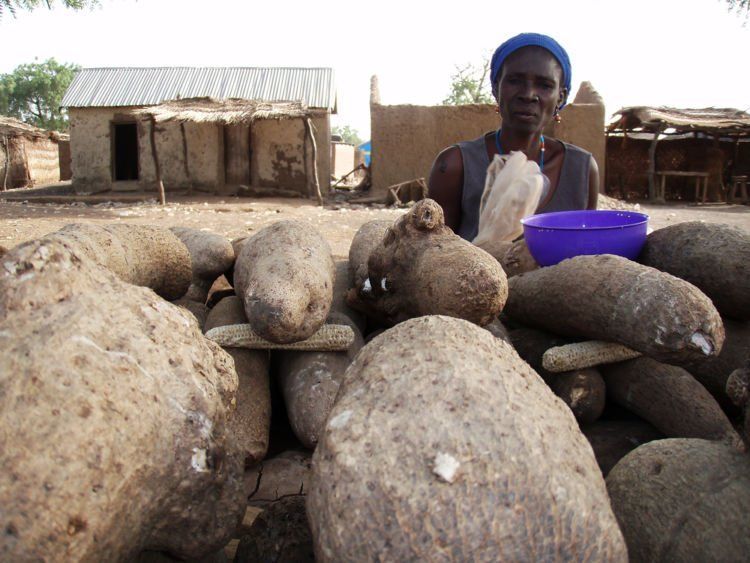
(236, 217)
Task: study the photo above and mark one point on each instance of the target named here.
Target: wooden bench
(739, 184)
(701, 183)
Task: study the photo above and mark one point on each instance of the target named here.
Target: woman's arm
(446, 184)
(593, 184)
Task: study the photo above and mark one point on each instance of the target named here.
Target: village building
(31, 156)
(262, 131)
(662, 153)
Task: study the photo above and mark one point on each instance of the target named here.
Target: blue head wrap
(530, 40)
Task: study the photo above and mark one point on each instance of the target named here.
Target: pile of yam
(169, 393)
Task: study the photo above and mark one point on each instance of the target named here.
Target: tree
(13, 6)
(469, 85)
(33, 93)
(347, 134)
(739, 6)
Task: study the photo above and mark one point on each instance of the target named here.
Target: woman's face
(529, 89)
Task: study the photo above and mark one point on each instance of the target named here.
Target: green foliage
(348, 134)
(470, 85)
(14, 6)
(33, 93)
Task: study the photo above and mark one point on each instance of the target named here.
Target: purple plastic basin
(553, 237)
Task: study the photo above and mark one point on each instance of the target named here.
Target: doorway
(125, 152)
(237, 154)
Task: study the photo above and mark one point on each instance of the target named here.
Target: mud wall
(406, 139)
(63, 147)
(277, 152)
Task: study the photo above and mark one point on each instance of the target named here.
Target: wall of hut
(407, 138)
(275, 152)
(28, 161)
(628, 165)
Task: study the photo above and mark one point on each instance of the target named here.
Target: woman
(530, 76)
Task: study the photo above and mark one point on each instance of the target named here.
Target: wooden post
(160, 184)
(6, 146)
(652, 164)
(309, 129)
(185, 158)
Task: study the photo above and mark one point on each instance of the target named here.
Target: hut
(669, 153)
(31, 156)
(261, 131)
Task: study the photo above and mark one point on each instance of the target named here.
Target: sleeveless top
(572, 191)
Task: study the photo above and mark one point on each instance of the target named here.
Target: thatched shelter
(31, 156)
(648, 146)
(262, 131)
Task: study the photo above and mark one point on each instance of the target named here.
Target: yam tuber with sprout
(420, 267)
(610, 298)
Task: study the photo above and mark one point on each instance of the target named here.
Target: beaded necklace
(541, 149)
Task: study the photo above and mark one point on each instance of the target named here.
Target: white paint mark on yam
(699, 340)
(198, 461)
(446, 467)
(340, 420)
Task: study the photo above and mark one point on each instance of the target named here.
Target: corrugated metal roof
(117, 87)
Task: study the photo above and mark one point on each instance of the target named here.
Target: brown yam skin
(713, 257)
(284, 275)
(583, 390)
(713, 372)
(211, 256)
(367, 238)
(428, 270)
(683, 500)
(114, 413)
(251, 420)
(527, 487)
(285, 474)
(611, 298)
(139, 254)
(310, 382)
(279, 534)
(612, 440)
(669, 398)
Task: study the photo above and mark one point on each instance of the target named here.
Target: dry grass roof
(229, 112)
(725, 121)
(11, 128)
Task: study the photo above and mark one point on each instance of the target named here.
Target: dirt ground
(235, 217)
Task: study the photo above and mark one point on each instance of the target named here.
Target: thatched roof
(11, 127)
(230, 112)
(725, 121)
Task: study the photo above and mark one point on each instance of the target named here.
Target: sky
(682, 53)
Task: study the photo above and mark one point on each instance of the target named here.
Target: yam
(713, 257)
(683, 500)
(251, 421)
(310, 382)
(738, 390)
(612, 440)
(284, 275)
(367, 238)
(611, 298)
(421, 268)
(669, 398)
(114, 411)
(444, 445)
(285, 474)
(211, 256)
(143, 255)
(517, 259)
(198, 310)
(279, 534)
(713, 372)
(582, 390)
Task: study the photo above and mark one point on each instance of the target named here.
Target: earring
(556, 115)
